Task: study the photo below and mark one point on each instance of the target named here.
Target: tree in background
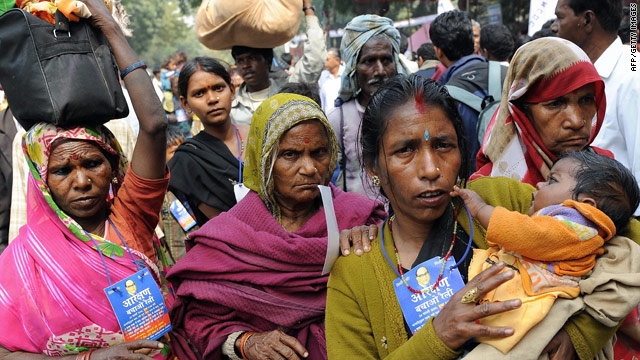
(160, 28)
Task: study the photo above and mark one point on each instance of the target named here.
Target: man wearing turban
(370, 50)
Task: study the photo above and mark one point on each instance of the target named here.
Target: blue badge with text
(419, 308)
(181, 215)
(139, 307)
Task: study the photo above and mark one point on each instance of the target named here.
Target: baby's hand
(473, 201)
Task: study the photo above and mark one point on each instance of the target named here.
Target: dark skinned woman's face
(417, 174)
(79, 178)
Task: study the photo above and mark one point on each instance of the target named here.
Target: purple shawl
(246, 272)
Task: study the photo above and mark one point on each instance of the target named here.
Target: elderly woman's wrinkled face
(564, 124)
(79, 176)
(302, 164)
(419, 161)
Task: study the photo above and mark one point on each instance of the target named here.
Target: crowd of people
(484, 199)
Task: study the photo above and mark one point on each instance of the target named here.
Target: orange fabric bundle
(46, 9)
(563, 250)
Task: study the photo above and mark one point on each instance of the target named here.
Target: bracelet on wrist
(243, 340)
(138, 65)
(311, 7)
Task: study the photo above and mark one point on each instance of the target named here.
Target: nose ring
(438, 169)
(584, 122)
(316, 169)
(89, 180)
(218, 98)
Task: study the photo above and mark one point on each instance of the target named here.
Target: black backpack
(486, 106)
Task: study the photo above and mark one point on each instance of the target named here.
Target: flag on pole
(444, 6)
(539, 12)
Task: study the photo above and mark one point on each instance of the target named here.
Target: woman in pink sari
(89, 226)
(251, 286)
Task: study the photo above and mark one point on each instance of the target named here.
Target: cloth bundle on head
(512, 147)
(270, 121)
(222, 24)
(357, 32)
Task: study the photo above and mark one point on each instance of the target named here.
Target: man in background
(330, 79)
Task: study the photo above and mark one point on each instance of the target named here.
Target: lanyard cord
(240, 165)
(466, 252)
(104, 263)
(138, 263)
(101, 257)
(469, 241)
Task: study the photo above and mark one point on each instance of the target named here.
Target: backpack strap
(465, 97)
(495, 83)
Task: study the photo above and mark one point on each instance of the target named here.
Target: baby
(585, 199)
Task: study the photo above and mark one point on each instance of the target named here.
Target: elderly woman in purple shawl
(251, 286)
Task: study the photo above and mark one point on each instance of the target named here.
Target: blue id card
(181, 115)
(419, 308)
(181, 214)
(139, 307)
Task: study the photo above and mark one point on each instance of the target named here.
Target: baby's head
(593, 179)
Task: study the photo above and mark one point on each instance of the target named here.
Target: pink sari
(51, 288)
(51, 280)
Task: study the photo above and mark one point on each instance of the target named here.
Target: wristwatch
(304, 8)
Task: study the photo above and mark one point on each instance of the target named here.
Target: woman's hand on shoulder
(456, 323)
(360, 238)
(138, 349)
(273, 345)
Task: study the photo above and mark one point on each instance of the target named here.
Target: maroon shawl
(245, 272)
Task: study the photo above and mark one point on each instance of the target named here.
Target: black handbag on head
(63, 74)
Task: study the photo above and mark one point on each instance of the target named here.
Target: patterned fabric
(357, 32)
(120, 129)
(53, 282)
(512, 147)
(36, 145)
(551, 250)
(270, 121)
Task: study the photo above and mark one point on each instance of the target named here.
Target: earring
(114, 180)
(375, 181)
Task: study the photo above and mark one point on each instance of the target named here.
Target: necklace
(240, 142)
(444, 261)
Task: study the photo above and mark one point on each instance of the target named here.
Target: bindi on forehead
(419, 101)
(73, 149)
